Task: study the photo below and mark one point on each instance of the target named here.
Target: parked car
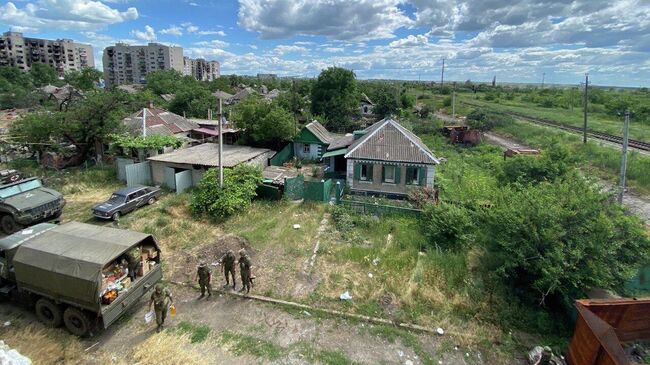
(26, 202)
(126, 200)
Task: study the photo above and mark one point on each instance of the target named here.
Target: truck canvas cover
(65, 262)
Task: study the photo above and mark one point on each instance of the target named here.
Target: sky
(514, 40)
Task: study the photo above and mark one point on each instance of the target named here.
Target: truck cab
(26, 202)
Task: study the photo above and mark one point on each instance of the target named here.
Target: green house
(312, 141)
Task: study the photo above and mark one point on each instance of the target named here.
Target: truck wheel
(76, 321)
(48, 313)
(116, 216)
(8, 224)
(151, 200)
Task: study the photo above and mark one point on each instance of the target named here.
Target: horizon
(518, 42)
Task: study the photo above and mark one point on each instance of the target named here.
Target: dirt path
(296, 334)
(636, 203)
(307, 279)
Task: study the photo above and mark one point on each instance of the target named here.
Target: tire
(151, 200)
(116, 216)
(48, 313)
(8, 224)
(76, 321)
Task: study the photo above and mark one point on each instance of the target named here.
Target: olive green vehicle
(63, 271)
(26, 202)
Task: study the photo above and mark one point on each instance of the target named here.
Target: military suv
(26, 202)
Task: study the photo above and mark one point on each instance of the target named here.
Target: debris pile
(9, 356)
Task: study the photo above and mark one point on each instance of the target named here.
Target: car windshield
(20, 188)
(116, 198)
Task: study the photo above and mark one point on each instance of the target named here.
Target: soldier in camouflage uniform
(204, 275)
(228, 267)
(161, 298)
(245, 270)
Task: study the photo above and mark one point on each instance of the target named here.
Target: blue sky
(516, 40)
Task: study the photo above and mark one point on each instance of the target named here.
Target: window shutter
(422, 175)
(383, 173)
(357, 171)
(398, 174)
(369, 172)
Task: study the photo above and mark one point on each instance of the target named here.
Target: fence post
(339, 190)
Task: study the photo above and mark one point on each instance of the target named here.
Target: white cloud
(192, 29)
(253, 46)
(64, 15)
(173, 30)
(192, 4)
(334, 49)
(284, 49)
(410, 41)
(336, 19)
(213, 43)
(212, 32)
(149, 34)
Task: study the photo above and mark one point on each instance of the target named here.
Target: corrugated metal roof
(319, 131)
(222, 95)
(341, 142)
(387, 140)
(207, 154)
(159, 121)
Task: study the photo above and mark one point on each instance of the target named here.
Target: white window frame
(389, 177)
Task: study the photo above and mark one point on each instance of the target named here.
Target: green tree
(239, 189)
(560, 238)
(86, 79)
(385, 99)
(263, 124)
(554, 163)
(447, 226)
(165, 81)
(193, 101)
(335, 97)
(485, 121)
(43, 74)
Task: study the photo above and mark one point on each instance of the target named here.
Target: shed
(184, 168)
(312, 141)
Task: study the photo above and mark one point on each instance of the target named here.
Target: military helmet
(202, 264)
(231, 252)
(242, 252)
(158, 287)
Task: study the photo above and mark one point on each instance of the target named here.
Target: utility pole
(586, 101)
(543, 77)
(442, 76)
(626, 128)
(144, 122)
(453, 103)
(220, 145)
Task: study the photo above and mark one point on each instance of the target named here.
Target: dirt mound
(183, 266)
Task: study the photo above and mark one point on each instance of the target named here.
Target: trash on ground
(375, 262)
(346, 296)
(12, 356)
(370, 275)
(440, 331)
(7, 324)
(307, 313)
(296, 226)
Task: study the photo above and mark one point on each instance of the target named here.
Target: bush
(239, 185)
(553, 164)
(447, 226)
(485, 121)
(345, 223)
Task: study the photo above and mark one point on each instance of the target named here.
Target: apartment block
(201, 69)
(62, 54)
(126, 64)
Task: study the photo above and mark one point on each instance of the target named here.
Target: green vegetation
(335, 97)
(239, 185)
(485, 121)
(198, 333)
(152, 142)
(264, 124)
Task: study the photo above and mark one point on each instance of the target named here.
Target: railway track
(640, 145)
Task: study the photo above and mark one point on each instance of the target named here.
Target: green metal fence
(269, 192)
(377, 209)
(319, 191)
(294, 187)
(283, 156)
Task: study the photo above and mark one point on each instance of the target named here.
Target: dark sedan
(126, 200)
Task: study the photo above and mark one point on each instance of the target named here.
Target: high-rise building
(201, 69)
(125, 64)
(62, 54)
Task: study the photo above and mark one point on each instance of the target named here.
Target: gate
(121, 164)
(170, 178)
(294, 187)
(318, 190)
(183, 180)
(138, 174)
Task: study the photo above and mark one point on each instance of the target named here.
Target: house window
(413, 176)
(364, 173)
(306, 148)
(389, 174)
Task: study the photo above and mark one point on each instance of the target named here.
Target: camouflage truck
(26, 202)
(77, 274)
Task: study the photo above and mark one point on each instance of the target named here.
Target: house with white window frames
(388, 159)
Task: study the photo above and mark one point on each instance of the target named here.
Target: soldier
(245, 270)
(161, 298)
(228, 267)
(204, 276)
